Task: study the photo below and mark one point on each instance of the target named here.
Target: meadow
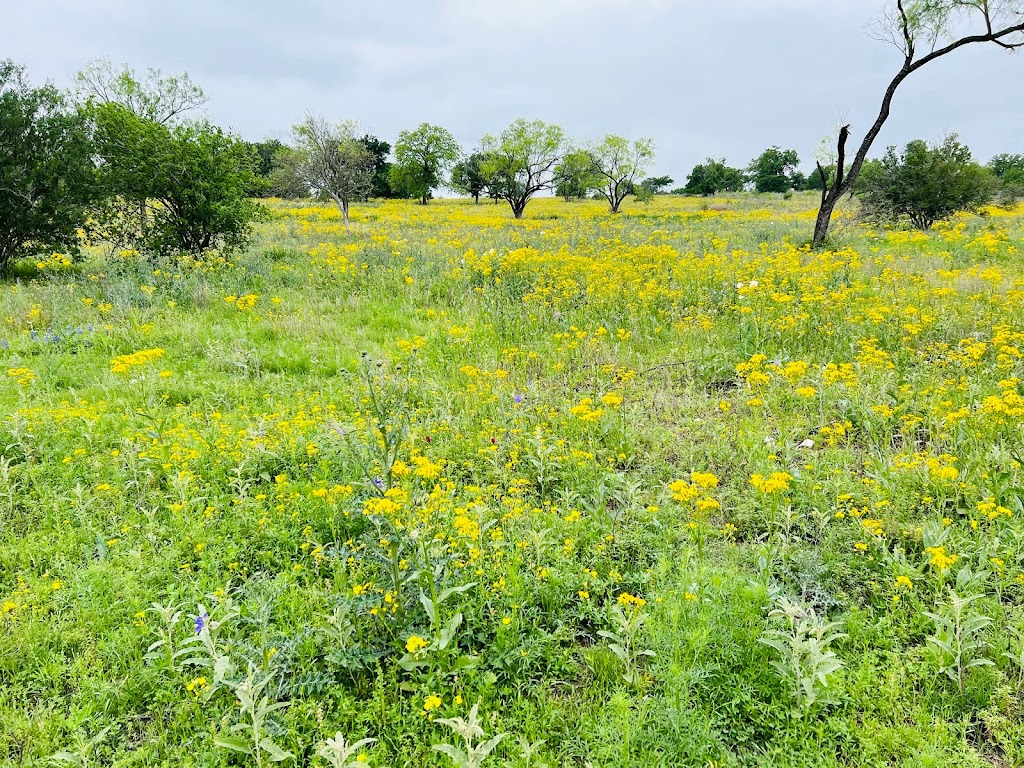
(660, 488)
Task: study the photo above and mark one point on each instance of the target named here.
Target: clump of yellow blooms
(124, 363)
(773, 483)
(939, 559)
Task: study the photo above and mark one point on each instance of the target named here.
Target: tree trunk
(821, 225)
(6, 251)
(841, 185)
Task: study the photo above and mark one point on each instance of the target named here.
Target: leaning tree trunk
(844, 181)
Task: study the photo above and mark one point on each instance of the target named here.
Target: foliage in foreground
(662, 489)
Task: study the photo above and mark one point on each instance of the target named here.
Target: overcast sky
(701, 77)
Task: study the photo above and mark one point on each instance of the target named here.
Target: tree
(923, 31)
(266, 155)
(285, 180)
(334, 162)
(621, 164)
(926, 184)
(380, 150)
(158, 97)
(47, 177)
(713, 176)
(657, 184)
(574, 176)
(1008, 171)
(519, 162)
(772, 170)
(194, 180)
(468, 176)
(422, 158)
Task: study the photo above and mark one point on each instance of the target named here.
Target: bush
(174, 189)
(925, 183)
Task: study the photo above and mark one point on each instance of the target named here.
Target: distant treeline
(130, 160)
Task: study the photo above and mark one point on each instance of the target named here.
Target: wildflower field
(661, 488)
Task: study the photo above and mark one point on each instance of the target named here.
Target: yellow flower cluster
(773, 483)
(124, 363)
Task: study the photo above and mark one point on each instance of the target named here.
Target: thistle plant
(628, 618)
(338, 752)
(249, 737)
(806, 662)
(203, 649)
(387, 422)
(956, 644)
(473, 752)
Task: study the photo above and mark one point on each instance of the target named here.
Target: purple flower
(201, 621)
(379, 483)
(517, 399)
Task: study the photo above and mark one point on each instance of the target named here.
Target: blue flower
(201, 621)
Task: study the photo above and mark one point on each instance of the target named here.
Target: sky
(703, 78)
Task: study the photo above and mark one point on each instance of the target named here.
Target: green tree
(923, 31)
(333, 162)
(422, 158)
(157, 97)
(574, 176)
(620, 164)
(380, 150)
(284, 179)
(772, 170)
(657, 184)
(266, 153)
(519, 163)
(468, 176)
(1008, 171)
(713, 176)
(47, 176)
(926, 184)
(194, 179)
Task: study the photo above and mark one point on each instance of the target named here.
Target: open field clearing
(660, 488)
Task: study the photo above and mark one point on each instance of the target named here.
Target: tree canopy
(47, 177)
(334, 162)
(620, 164)
(193, 180)
(925, 183)
(422, 159)
(519, 162)
(772, 170)
(575, 177)
(712, 177)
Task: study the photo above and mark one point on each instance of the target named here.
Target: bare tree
(334, 161)
(923, 31)
(620, 164)
(158, 97)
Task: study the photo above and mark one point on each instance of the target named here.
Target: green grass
(236, 471)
